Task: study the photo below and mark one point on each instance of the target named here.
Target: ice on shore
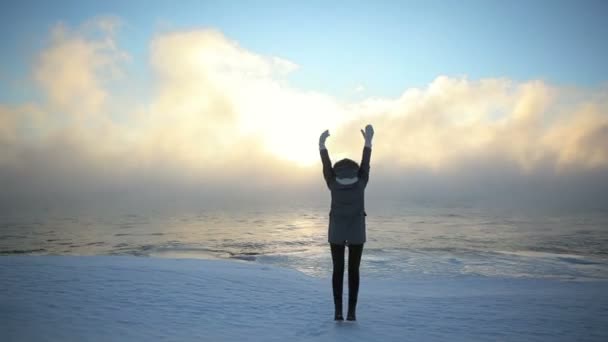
(103, 298)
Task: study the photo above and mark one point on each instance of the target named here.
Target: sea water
(403, 238)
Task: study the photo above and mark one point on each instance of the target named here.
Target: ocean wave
(22, 251)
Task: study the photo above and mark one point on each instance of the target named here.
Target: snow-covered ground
(105, 298)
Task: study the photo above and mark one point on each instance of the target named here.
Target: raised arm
(368, 135)
(328, 171)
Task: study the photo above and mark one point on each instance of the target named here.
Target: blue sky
(464, 94)
(385, 46)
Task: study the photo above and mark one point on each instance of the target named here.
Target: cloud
(211, 88)
(454, 121)
(73, 69)
(220, 116)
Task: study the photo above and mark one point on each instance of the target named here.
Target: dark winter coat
(347, 214)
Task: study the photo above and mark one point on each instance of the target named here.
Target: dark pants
(354, 260)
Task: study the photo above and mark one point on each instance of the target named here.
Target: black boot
(338, 312)
(352, 308)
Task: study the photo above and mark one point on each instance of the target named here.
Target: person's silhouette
(347, 181)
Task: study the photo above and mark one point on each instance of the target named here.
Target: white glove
(368, 134)
(322, 139)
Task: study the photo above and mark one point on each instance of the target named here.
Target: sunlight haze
(110, 100)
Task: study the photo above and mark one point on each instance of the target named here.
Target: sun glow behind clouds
(288, 132)
(285, 120)
(216, 107)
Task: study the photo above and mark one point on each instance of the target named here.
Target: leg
(354, 260)
(337, 257)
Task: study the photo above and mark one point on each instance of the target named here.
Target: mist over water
(415, 238)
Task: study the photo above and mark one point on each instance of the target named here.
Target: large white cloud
(530, 124)
(221, 114)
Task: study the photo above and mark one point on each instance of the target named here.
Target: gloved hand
(322, 139)
(368, 134)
